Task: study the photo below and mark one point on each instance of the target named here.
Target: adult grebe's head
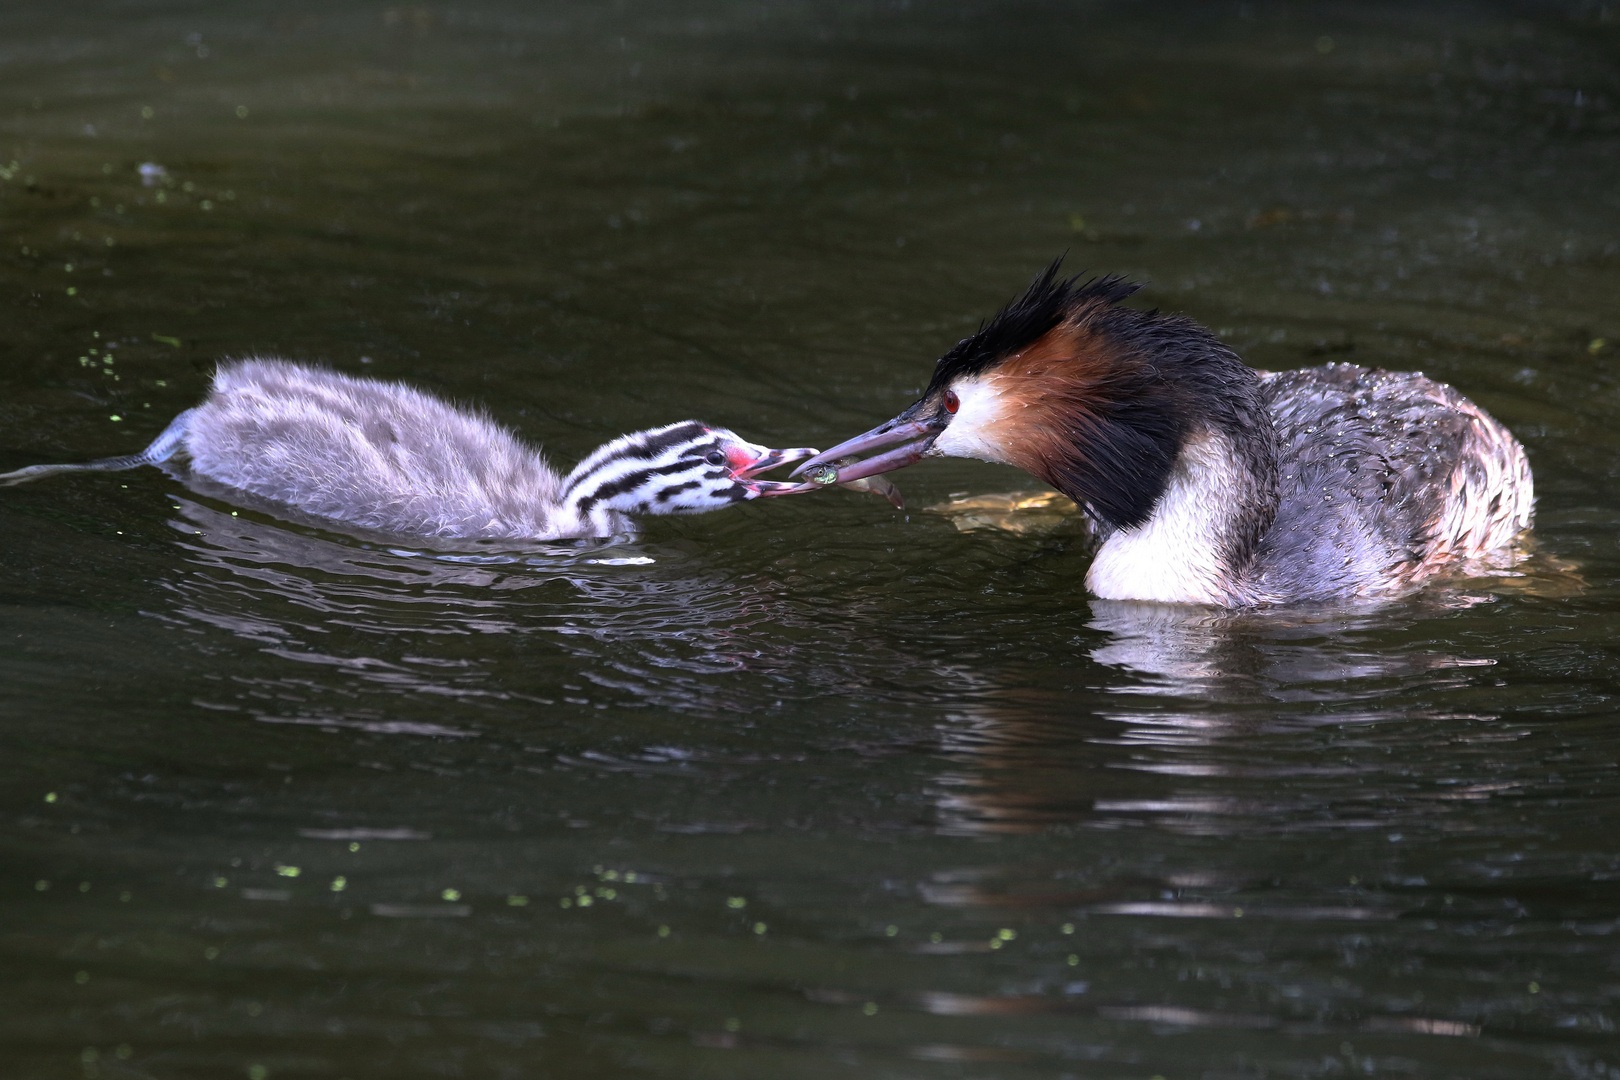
(685, 468)
(1094, 398)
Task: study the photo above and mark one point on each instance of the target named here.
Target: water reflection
(1212, 687)
(319, 600)
(642, 624)
(1279, 654)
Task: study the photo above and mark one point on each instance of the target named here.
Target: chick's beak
(916, 437)
(774, 459)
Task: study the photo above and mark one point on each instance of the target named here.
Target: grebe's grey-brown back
(1207, 481)
(385, 457)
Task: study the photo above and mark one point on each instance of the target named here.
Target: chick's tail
(162, 449)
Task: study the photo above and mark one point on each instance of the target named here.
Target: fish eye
(715, 457)
(952, 402)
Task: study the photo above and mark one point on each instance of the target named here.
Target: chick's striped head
(685, 468)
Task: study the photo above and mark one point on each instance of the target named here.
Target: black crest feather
(1046, 303)
(1165, 377)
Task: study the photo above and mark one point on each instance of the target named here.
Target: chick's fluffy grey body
(376, 455)
(386, 458)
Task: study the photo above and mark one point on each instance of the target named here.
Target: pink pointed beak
(775, 460)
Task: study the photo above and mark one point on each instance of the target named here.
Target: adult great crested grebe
(385, 457)
(1207, 481)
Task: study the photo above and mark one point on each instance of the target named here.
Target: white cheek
(976, 431)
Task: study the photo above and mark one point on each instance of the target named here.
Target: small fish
(872, 485)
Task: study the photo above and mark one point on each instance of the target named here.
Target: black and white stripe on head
(637, 446)
(683, 468)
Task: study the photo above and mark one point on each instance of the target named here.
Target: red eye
(952, 402)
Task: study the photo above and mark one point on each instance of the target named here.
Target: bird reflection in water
(1204, 744)
(636, 624)
(1192, 684)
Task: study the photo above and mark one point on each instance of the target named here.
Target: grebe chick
(385, 457)
(1204, 480)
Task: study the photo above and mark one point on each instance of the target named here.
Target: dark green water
(851, 792)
